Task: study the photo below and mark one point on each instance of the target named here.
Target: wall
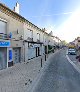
(46, 39)
(25, 51)
(35, 31)
(13, 25)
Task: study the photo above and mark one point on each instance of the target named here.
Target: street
(59, 76)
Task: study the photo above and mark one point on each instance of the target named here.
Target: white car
(72, 51)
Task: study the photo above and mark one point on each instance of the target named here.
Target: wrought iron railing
(30, 39)
(4, 36)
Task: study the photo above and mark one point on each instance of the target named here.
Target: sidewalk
(19, 77)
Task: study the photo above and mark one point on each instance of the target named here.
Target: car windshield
(71, 49)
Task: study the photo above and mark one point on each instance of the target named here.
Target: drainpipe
(24, 50)
(7, 57)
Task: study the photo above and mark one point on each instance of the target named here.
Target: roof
(25, 20)
(3, 5)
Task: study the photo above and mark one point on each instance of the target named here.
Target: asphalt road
(59, 76)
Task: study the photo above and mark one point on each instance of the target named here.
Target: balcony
(3, 36)
(38, 40)
(29, 39)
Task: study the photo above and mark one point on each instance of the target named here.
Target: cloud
(70, 29)
(49, 15)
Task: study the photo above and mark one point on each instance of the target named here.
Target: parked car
(72, 51)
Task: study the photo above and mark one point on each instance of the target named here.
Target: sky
(60, 16)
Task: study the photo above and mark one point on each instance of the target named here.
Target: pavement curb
(74, 65)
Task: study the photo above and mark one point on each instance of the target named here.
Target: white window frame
(38, 36)
(3, 20)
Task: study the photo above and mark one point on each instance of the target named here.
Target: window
(30, 33)
(38, 36)
(3, 27)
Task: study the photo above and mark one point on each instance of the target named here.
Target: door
(38, 51)
(45, 49)
(16, 55)
(3, 58)
(29, 53)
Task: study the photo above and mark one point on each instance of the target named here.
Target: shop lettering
(5, 44)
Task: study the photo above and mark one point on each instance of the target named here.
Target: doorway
(3, 58)
(16, 55)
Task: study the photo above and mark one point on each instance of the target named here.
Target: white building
(11, 31)
(33, 40)
(20, 40)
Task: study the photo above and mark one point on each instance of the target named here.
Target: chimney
(16, 8)
(51, 33)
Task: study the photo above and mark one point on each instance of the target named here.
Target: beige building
(33, 41)
(26, 38)
(11, 33)
(20, 40)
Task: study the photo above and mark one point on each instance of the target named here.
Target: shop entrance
(16, 55)
(3, 58)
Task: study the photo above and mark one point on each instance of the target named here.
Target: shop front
(31, 51)
(16, 55)
(17, 51)
(34, 50)
(4, 45)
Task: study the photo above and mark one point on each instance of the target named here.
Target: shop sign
(4, 44)
(36, 45)
(10, 54)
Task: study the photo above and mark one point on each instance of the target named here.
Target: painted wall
(46, 38)
(35, 31)
(13, 25)
(25, 51)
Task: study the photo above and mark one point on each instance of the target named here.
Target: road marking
(74, 61)
(75, 66)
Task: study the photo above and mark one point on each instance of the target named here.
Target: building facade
(20, 40)
(33, 41)
(11, 32)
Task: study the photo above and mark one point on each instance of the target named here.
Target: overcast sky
(60, 16)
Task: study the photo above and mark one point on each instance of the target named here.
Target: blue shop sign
(4, 44)
(10, 54)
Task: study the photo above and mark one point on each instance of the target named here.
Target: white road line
(74, 61)
(75, 66)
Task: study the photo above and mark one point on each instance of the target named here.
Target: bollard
(45, 57)
(41, 62)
